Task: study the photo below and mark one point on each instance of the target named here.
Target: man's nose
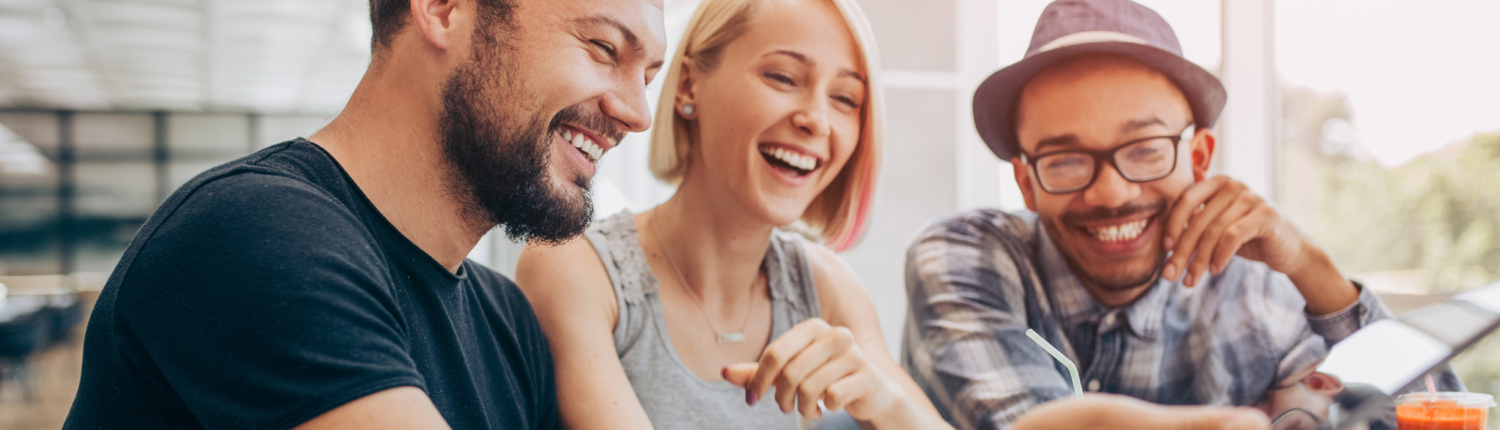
(628, 106)
(1110, 189)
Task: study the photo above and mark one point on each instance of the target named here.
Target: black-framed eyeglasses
(1299, 419)
(1139, 160)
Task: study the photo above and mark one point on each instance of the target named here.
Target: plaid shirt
(977, 281)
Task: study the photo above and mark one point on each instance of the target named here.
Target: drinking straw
(1431, 387)
(1072, 369)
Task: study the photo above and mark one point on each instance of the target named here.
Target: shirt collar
(1074, 305)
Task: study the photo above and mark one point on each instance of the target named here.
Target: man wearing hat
(1159, 282)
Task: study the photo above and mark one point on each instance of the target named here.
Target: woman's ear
(686, 102)
(1202, 150)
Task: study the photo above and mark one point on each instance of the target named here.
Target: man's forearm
(1325, 289)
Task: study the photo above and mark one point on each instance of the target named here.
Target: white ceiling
(273, 56)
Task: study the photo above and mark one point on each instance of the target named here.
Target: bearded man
(321, 283)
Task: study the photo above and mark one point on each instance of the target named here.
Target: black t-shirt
(269, 290)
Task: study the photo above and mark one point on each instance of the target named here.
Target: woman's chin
(781, 212)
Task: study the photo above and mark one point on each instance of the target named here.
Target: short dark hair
(388, 16)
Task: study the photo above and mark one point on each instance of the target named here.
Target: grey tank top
(673, 396)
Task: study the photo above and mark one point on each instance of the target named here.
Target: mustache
(1102, 213)
(577, 116)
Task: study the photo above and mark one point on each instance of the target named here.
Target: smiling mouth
(1118, 232)
(583, 144)
(791, 161)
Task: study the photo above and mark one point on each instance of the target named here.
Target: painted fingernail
(724, 373)
(784, 410)
(751, 397)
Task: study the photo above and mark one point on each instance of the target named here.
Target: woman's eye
(847, 101)
(780, 77)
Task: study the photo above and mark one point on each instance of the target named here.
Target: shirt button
(1094, 385)
(1109, 320)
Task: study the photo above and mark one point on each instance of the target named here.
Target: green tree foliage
(1435, 218)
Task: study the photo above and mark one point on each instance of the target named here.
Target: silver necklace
(722, 337)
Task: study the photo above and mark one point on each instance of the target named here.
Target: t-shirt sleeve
(260, 303)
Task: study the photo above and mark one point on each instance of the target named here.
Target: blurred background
(1373, 124)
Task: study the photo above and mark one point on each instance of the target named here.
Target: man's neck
(387, 140)
(1112, 298)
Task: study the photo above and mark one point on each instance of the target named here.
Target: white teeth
(1120, 233)
(799, 161)
(567, 135)
(593, 149)
(584, 144)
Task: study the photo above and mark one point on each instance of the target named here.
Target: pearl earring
(688, 109)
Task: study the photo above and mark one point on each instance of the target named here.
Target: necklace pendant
(731, 337)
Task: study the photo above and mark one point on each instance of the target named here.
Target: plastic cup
(1445, 411)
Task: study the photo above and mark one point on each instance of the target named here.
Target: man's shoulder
(987, 225)
(502, 292)
(250, 216)
(267, 189)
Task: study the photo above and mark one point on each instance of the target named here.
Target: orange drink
(1445, 411)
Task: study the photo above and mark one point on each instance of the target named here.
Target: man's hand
(1220, 218)
(1115, 412)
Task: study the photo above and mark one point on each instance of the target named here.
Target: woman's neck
(716, 247)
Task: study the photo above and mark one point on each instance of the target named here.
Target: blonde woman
(700, 313)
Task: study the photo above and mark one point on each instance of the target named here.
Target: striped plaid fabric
(978, 280)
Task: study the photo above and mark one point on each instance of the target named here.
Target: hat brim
(996, 99)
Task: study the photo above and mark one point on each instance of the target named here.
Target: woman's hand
(815, 361)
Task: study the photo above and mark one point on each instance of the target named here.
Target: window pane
(1390, 143)
(113, 200)
(29, 229)
(274, 129)
(114, 136)
(192, 136)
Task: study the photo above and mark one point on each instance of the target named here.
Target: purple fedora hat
(1071, 28)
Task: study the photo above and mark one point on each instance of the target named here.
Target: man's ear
(1202, 151)
(1023, 180)
(442, 23)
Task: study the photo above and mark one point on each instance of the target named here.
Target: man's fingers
(1191, 240)
(1208, 244)
(1185, 206)
(739, 374)
(780, 352)
(1230, 243)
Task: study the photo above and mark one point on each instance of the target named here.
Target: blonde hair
(841, 212)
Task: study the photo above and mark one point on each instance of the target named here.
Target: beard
(499, 158)
(1134, 274)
